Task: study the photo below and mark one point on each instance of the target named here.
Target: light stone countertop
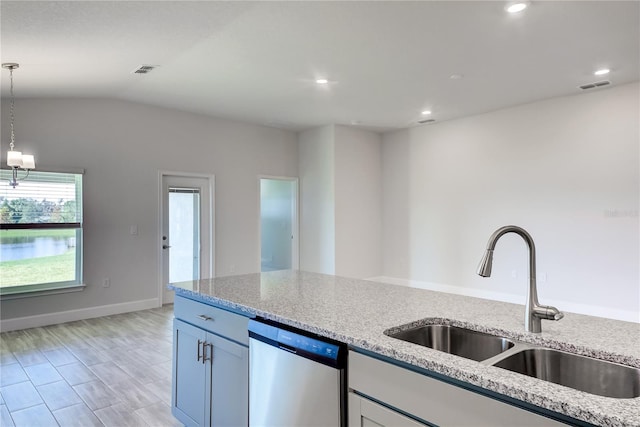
(357, 312)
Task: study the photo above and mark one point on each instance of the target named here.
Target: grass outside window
(60, 267)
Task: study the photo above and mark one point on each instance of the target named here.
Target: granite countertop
(357, 312)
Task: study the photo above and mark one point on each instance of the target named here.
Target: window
(40, 233)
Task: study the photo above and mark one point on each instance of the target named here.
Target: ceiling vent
(143, 69)
(426, 121)
(595, 85)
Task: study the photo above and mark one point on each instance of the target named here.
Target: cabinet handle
(199, 354)
(204, 317)
(204, 352)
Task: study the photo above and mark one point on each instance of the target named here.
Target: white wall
(358, 169)
(565, 169)
(317, 200)
(122, 146)
(341, 196)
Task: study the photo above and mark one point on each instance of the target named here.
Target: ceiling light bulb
(28, 161)
(602, 72)
(14, 159)
(517, 7)
(322, 81)
(426, 112)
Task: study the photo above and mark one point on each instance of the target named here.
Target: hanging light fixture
(15, 159)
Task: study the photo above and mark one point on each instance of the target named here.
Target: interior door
(186, 231)
(278, 224)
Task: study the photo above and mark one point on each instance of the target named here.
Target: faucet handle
(547, 312)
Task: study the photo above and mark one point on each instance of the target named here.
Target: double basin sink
(582, 373)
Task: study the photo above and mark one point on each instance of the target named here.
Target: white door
(186, 239)
(278, 224)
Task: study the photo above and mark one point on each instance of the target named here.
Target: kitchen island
(357, 312)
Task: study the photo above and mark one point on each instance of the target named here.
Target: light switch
(133, 230)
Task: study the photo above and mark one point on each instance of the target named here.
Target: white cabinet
(210, 366)
(429, 399)
(229, 382)
(191, 392)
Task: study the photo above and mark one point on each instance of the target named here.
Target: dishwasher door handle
(289, 349)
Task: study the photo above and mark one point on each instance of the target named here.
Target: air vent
(426, 121)
(595, 85)
(143, 69)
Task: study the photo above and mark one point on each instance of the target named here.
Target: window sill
(9, 294)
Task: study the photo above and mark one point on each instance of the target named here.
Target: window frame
(48, 288)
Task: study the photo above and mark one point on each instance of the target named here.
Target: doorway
(278, 223)
(186, 230)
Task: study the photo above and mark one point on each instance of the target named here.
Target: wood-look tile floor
(109, 371)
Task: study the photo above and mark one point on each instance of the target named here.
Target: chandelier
(15, 159)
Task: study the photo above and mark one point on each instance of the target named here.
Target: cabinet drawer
(364, 413)
(212, 319)
(432, 400)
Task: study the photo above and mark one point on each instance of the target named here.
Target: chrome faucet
(534, 312)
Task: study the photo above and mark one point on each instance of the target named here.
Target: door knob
(165, 246)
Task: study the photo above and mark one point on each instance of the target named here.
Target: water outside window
(37, 256)
(184, 234)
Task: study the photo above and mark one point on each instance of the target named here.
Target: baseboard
(567, 306)
(72, 315)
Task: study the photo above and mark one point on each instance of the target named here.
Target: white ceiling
(258, 61)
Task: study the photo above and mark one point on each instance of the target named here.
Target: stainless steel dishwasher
(295, 378)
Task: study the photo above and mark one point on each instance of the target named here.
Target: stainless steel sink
(579, 372)
(454, 340)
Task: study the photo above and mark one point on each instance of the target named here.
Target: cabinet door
(190, 392)
(365, 413)
(230, 382)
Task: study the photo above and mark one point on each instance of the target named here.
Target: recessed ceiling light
(602, 72)
(426, 112)
(517, 7)
(456, 76)
(322, 81)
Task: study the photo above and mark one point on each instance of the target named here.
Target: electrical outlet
(106, 282)
(232, 268)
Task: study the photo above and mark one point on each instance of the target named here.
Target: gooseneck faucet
(534, 312)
